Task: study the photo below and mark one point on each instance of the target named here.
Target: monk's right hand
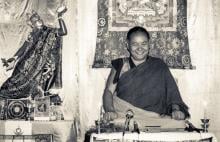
(109, 116)
(178, 115)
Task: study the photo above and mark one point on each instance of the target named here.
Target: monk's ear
(127, 44)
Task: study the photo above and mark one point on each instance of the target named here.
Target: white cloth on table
(163, 136)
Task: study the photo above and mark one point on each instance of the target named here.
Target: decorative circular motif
(16, 109)
(186, 60)
(99, 33)
(101, 22)
(183, 22)
(170, 60)
(18, 131)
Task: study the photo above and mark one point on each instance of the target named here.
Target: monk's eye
(134, 44)
(144, 43)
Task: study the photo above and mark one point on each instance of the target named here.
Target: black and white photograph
(109, 70)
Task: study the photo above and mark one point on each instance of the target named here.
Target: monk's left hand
(178, 115)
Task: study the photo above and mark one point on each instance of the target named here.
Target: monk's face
(138, 46)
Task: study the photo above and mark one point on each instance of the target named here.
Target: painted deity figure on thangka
(36, 66)
(149, 7)
(152, 14)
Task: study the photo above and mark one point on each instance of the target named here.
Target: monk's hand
(178, 115)
(109, 116)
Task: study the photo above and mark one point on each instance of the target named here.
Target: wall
(195, 85)
(70, 58)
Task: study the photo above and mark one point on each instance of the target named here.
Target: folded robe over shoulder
(149, 86)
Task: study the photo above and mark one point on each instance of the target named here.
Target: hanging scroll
(166, 21)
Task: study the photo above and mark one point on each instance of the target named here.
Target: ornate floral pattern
(168, 44)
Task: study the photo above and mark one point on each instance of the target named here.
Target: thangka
(166, 21)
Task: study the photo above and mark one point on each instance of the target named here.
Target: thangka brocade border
(169, 37)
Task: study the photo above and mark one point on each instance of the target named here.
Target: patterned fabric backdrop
(166, 20)
(14, 31)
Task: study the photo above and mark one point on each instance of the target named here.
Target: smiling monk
(142, 83)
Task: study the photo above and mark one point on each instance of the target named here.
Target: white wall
(70, 62)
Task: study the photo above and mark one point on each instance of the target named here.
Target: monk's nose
(140, 48)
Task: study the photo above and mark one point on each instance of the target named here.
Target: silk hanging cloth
(39, 66)
(166, 20)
